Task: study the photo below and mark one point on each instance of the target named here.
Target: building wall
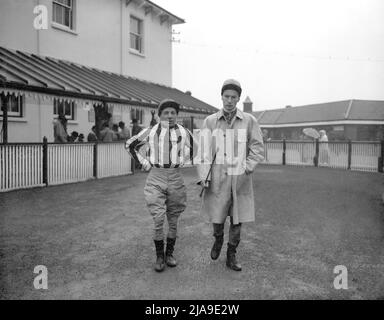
(16, 25)
(101, 38)
(156, 63)
(38, 118)
(37, 121)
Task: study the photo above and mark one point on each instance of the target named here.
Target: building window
(14, 105)
(137, 114)
(366, 132)
(65, 107)
(136, 33)
(63, 13)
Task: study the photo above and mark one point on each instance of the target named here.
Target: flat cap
(168, 103)
(231, 84)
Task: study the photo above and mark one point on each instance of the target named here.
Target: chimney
(188, 92)
(247, 105)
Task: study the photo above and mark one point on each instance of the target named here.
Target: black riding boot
(216, 248)
(169, 259)
(231, 258)
(218, 233)
(159, 266)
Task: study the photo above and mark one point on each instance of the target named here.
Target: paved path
(95, 239)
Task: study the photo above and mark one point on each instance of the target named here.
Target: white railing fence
(70, 162)
(362, 156)
(334, 154)
(300, 153)
(272, 152)
(112, 160)
(26, 165)
(21, 166)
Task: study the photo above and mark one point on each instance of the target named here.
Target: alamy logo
(341, 280)
(41, 20)
(41, 280)
(230, 147)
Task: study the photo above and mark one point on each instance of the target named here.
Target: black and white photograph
(193, 155)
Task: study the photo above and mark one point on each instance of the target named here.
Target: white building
(76, 59)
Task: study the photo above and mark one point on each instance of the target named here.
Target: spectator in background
(153, 120)
(92, 137)
(135, 127)
(60, 129)
(80, 138)
(106, 134)
(74, 135)
(109, 120)
(265, 135)
(124, 131)
(323, 148)
(115, 129)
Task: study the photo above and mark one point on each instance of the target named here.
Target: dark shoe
(169, 259)
(216, 249)
(159, 266)
(231, 258)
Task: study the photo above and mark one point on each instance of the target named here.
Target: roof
(176, 19)
(30, 72)
(366, 110)
(247, 100)
(324, 112)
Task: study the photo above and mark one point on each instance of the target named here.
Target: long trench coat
(230, 192)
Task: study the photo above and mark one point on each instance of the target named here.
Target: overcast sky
(283, 52)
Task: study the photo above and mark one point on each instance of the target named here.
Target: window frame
(20, 104)
(138, 114)
(140, 35)
(71, 116)
(72, 11)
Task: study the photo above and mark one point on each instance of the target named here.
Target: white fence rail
(334, 155)
(112, 160)
(273, 152)
(38, 164)
(364, 156)
(21, 166)
(69, 163)
(300, 153)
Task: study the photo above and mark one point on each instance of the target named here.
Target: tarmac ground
(95, 238)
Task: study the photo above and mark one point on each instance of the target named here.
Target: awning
(48, 78)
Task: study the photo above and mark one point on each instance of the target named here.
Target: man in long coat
(228, 187)
(59, 129)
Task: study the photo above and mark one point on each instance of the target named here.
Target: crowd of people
(109, 132)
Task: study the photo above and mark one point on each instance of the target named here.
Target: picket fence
(27, 165)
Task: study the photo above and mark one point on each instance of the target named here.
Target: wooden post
(5, 120)
(133, 165)
(95, 159)
(45, 161)
(316, 158)
(349, 154)
(192, 125)
(284, 149)
(381, 158)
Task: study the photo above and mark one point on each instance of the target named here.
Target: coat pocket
(244, 184)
